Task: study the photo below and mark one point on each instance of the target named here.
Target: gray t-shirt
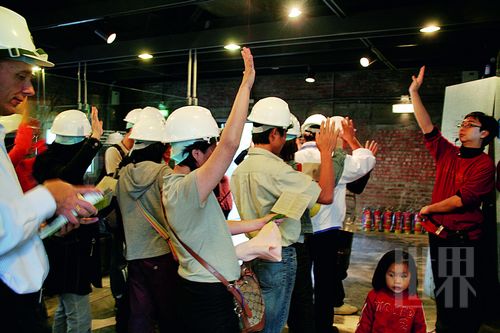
(202, 226)
(142, 181)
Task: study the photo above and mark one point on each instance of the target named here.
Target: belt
(433, 227)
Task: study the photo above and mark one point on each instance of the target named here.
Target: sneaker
(346, 309)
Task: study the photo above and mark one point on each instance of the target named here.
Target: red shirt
(468, 173)
(387, 312)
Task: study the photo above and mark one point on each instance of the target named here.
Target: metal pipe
(43, 88)
(79, 98)
(195, 77)
(190, 65)
(85, 105)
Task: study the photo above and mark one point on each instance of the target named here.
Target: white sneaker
(346, 309)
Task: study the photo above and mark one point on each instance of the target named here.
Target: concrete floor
(366, 251)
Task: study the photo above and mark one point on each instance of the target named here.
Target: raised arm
(349, 134)
(326, 140)
(421, 114)
(211, 172)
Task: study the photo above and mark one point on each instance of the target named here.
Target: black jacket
(74, 259)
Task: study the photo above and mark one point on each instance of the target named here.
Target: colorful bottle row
(388, 221)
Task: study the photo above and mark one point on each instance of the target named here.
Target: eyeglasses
(467, 125)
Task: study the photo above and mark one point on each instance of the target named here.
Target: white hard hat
(16, 42)
(271, 111)
(71, 123)
(114, 138)
(149, 129)
(293, 132)
(151, 112)
(338, 122)
(312, 123)
(133, 116)
(11, 122)
(191, 122)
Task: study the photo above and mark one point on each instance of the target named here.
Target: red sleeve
(437, 145)
(478, 183)
(367, 315)
(22, 144)
(419, 325)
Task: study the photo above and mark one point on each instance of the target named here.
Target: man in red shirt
(465, 175)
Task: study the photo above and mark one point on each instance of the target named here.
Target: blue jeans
(73, 314)
(277, 280)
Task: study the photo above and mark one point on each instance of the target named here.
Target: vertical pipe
(190, 65)
(43, 88)
(195, 77)
(85, 105)
(79, 98)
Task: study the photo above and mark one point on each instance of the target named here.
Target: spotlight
(365, 61)
(109, 37)
(294, 12)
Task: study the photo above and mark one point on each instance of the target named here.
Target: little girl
(393, 304)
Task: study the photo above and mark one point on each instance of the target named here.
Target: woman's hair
(395, 257)
(201, 145)
(153, 152)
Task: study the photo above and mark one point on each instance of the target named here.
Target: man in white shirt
(23, 261)
(328, 221)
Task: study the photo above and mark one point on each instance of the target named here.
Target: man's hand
(326, 138)
(348, 130)
(68, 227)
(372, 146)
(424, 210)
(249, 73)
(417, 81)
(68, 198)
(96, 124)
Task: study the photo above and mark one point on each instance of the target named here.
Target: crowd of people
(172, 194)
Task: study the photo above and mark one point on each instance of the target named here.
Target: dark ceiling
(331, 35)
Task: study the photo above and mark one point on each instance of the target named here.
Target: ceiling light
(365, 61)
(232, 47)
(294, 12)
(145, 56)
(407, 45)
(109, 37)
(430, 28)
(404, 106)
(311, 76)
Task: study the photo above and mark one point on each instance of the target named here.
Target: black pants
(301, 313)
(456, 269)
(21, 313)
(207, 307)
(324, 254)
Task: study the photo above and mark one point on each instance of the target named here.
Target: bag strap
(160, 229)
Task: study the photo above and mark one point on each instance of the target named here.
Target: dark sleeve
(358, 186)
(498, 176)
(71, 172)
(367, 315)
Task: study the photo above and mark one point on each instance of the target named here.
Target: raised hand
(372, 146)
(348, 131)
(96, 124)
(249, 73)
(326, 138)
(417, 81)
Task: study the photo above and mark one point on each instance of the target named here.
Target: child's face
(397, 277)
